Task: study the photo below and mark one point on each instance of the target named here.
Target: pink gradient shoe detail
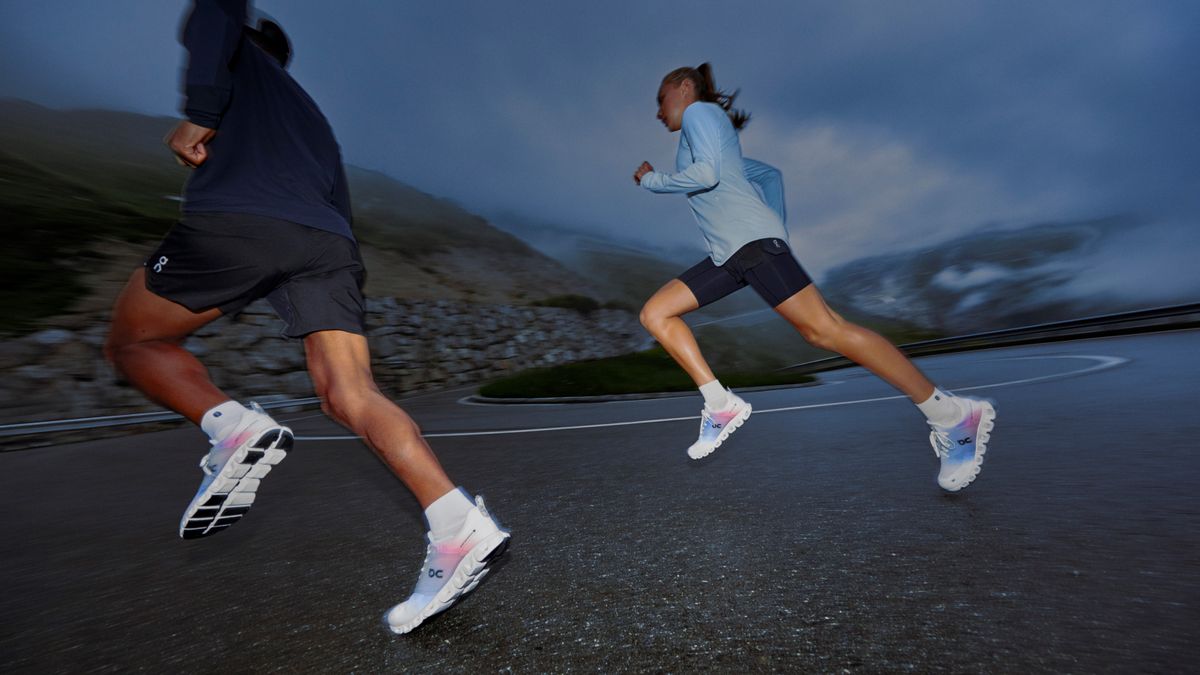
(716, 426)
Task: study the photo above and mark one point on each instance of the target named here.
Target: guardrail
(1140, 321)
(81, 423)
(1124, 323)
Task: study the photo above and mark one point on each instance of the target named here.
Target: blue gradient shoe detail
(961, 447)
(716, 426)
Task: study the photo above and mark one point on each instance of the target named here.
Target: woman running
(739, 206)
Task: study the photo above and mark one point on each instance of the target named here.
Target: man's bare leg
(144, 345)
(340, 365)
(468, 540)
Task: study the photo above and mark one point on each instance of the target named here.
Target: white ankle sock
(942, 409)
(716, 397)
(220, 420)
(447, 514)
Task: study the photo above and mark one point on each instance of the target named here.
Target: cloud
(894, 124)
(1146, 265)
(958, 279)
(855, 191)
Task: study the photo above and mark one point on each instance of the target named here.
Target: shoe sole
(474, 566)
(231, 493)
(987, 422)
(730, 427)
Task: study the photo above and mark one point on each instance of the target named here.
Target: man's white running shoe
(232, 472)
(716, 426)
(453, 567)
(961, 447)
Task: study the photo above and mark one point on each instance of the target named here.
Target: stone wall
(415, 345)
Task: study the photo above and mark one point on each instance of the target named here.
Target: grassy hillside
(82, 191)
(53, 229)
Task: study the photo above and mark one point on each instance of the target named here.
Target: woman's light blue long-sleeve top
(731, 210)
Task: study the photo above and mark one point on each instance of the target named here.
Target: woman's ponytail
(706, 90)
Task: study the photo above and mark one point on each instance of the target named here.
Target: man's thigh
(140, 315)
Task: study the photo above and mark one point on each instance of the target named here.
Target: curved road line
(1104, 363)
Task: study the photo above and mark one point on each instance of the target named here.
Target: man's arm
(211, 36)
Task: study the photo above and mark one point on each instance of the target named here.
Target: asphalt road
(815, 540)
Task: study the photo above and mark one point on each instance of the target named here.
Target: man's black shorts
(312, 278)
(766, 265)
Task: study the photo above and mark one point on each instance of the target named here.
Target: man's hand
(187, 141)
(642, 170)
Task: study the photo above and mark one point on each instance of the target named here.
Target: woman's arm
(769, 181)
(703, 133)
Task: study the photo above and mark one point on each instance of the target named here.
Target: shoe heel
(495, 553)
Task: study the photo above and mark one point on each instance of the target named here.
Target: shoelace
(942, 444)
(706, 420)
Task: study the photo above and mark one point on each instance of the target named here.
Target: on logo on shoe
(435, 573)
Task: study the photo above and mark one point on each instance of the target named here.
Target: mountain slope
(999, 278)
(84, 189)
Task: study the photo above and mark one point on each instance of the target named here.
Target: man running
(266, 213)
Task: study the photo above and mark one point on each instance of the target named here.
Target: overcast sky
(895, 124)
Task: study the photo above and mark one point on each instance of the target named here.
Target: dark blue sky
(895, 124)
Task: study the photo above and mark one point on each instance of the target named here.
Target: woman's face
(672, 100)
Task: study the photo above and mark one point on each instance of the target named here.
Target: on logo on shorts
(158, 266)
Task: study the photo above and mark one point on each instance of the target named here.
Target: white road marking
(1103, 363)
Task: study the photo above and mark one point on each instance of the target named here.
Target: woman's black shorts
(312, 278)
(766, 265)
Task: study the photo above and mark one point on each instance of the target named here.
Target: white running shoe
(716, 426)
(232, 472)
(961, 447)
(453, 567)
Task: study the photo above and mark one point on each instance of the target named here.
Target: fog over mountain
(998, 278)
(897, 125)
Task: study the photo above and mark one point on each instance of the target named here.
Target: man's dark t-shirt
(274, 153)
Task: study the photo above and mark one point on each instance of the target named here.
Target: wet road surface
(816, 539)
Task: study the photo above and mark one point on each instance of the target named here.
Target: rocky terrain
(416, 345)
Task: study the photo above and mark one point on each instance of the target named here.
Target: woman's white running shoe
(716, 426)
(453, 567)
(961, 447)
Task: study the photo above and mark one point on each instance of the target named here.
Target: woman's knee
(648, 317)
(821, 334)
(654, 317)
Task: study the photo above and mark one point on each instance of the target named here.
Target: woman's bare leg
(822, 327)
(661, 316)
